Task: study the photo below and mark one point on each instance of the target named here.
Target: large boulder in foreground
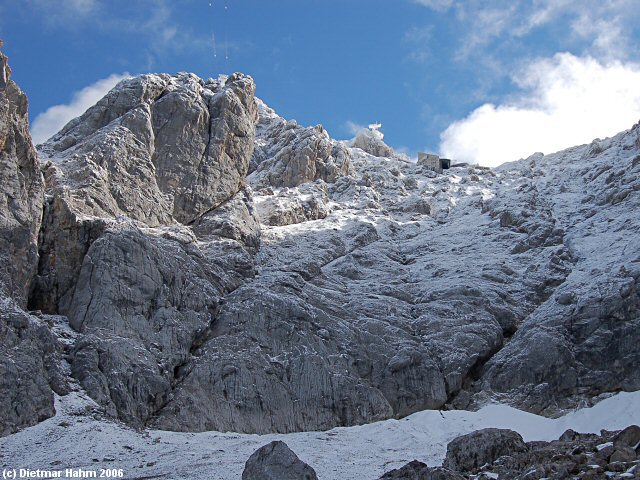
(276, 461)
(469, 452)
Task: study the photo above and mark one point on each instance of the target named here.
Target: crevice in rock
(63, 243)
(34, 301)
(182, 369)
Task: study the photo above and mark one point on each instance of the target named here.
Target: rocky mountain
(195, 262)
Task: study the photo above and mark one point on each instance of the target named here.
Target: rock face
(276, 461)
(371, 141)
(22, 191)
(157, 150)
(146, 229)
(310, 202)
(226, 269)
(29, 352)
(567, 346)
(30, 372)
(288, 155)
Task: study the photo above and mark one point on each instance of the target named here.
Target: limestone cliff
(222, 268)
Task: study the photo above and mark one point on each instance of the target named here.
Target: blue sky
(484, 81)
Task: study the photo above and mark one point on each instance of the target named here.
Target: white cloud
(352, 127)
(49, 122)
(155, 21)
(489, 27)
(563, 101)
(64, 12)
(438, 5)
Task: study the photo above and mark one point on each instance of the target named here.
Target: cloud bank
(562, 101)
(49, 122)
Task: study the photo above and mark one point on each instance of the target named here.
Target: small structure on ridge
(433, 162)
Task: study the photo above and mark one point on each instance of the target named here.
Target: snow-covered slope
(77, 437)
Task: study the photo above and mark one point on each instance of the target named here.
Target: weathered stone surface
(142, 303)
(470, 452)
(416, 470)
(309, 203)
(574, 455)
(287, 155)
(156, 150)
(29, 369)
(146, 230)
(236, 219)
(410, 471)
(629, 437)
(29, 352)
(259, 373)
(276, 461)
(22, 190)
(371, 141)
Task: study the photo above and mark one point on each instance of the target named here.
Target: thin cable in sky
(226, 36)
(213, 32)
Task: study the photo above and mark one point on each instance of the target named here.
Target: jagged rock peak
(157, 148)
(287, 154)
(371, 140)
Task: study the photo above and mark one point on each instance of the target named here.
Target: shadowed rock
(276, 461)
(416, 470)
(22, 190)
(469, 452)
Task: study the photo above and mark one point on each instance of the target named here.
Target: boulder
(469, 452)
(416, 470)
(276, 461)
(629, 437)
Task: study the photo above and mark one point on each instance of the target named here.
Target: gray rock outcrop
(29, 353)
(276, 461)
(574, 455)
(567, 346)
(371, 141)
(287, 155)
(157, 150)
(30, 371)
(22, 191)
(283, 208)
(146, 228)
